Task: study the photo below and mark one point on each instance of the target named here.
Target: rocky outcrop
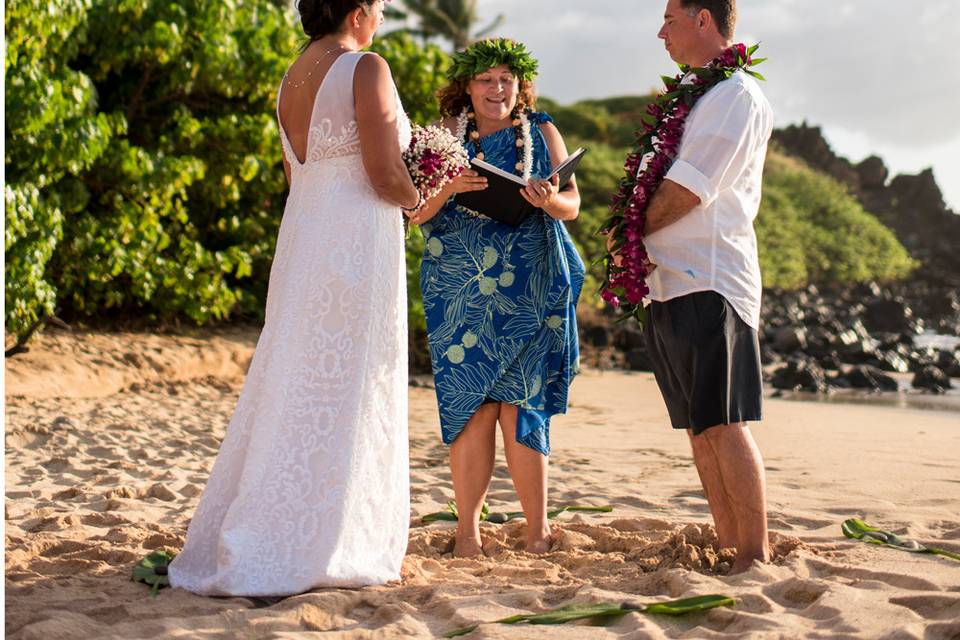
(911, 205)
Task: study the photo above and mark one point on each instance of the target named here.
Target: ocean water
(906, 398)
(937, 341)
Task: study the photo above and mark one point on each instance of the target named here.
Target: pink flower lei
(625, 286)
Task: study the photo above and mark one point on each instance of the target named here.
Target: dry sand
(109, 439)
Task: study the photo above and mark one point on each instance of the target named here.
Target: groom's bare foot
(467, 547)
(540, 544)
(744, 562)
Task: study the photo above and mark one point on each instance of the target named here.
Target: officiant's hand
(469, 180)
(541, 193)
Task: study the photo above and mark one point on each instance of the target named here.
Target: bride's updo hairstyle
(321, 18)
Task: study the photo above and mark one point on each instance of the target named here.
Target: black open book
(501, 200)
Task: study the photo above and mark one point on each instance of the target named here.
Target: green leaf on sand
(152, 570)
(605, 610)
(860, 530)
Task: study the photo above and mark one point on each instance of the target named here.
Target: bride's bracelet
(420, 202)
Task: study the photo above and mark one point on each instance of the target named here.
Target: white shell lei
(527, 139)
(527, 145)
(462, 125)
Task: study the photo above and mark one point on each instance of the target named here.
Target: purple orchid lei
(625, 285)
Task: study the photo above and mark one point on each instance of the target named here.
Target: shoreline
(74, 364)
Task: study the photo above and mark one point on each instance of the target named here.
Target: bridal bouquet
(434, 158)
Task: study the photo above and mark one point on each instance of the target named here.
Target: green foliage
(54, 134)
(142, 134)
(452, 20)
(143, 158)
(597, 178)
(152, 570)
(418, 70)
(601, 612)
(810, 229)
(486, 54)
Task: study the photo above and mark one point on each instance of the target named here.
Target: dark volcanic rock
(873, 173)
(597, 336)
(854, 349)
(932, 378)
(638, 360)
(866, 377)
(768, 355)
(789, 339)
(628, 338)
(893, 360)
(921, 358)
(830, 362)
(890, 316)
(800, 375)
(949, 363)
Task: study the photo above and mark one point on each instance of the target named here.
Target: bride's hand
(469, 180)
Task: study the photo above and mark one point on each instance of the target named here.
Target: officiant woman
(500, 300)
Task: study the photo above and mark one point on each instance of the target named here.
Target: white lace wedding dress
(311, 484)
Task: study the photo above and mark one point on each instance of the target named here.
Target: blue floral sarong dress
(500, 303)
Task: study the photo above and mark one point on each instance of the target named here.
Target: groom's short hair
(724, 13)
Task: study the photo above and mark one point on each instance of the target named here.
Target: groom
(702, 322)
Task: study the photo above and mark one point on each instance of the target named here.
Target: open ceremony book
(501, 200)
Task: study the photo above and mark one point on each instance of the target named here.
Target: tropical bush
(810, 229)
(144, 176)
(144, 133)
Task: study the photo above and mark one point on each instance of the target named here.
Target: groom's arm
(715, 150)
(670, 203)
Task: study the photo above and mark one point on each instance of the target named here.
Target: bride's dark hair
(320, 18)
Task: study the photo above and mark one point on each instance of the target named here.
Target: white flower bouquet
(434, 158)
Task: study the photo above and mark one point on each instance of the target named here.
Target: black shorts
(706, 360)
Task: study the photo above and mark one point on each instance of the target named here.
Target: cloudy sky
(880, 76)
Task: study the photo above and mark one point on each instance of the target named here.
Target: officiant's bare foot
(467, 547)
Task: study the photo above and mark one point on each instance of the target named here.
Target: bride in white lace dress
(311, 484)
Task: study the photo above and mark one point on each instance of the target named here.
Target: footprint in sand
(931, 607)
(795, 593)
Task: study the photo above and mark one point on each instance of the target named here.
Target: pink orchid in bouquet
(434, 158)
(628, 266)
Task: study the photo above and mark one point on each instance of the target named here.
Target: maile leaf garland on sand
(152, 570)
(625, 284)
(606, 610)
(860, 530)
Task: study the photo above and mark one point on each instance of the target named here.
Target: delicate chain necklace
(467, 130)
(296, 84)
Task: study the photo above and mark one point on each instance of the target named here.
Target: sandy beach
(109, 439)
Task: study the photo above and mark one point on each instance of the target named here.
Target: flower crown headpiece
(486, 54)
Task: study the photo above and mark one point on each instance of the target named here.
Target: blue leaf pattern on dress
(501, 306)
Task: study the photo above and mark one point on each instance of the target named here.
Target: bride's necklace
(296, 84)
(467, 131)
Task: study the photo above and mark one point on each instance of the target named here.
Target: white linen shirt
(720, 160)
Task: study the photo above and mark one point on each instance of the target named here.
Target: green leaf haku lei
(486, 54)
